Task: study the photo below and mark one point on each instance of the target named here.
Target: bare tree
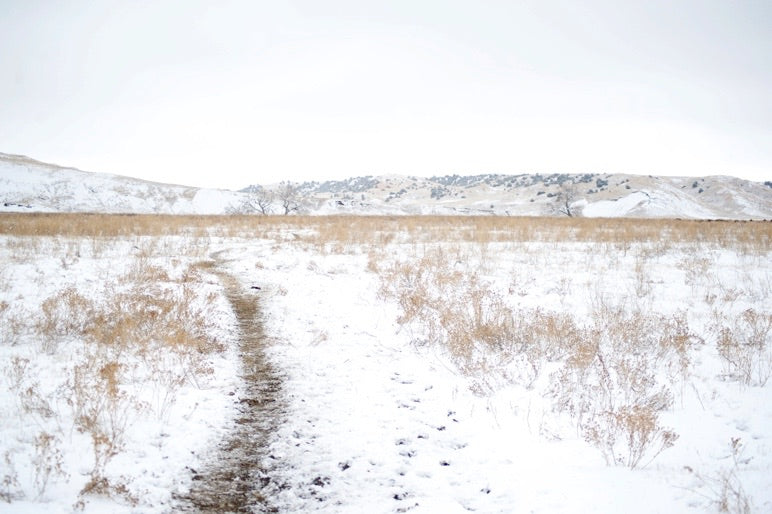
(565, 198)
(289, 197)
(259, 200)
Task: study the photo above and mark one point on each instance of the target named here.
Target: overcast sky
(229, 93)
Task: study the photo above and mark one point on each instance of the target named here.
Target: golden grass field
(367, 229)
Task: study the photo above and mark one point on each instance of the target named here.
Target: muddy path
(237, 477)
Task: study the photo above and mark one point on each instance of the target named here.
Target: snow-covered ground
(90, 386)
(382, 416)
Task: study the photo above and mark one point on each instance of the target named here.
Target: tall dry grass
(751, 236)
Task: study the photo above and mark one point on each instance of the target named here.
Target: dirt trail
(235, 477)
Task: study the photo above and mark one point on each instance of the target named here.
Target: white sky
(230, 93)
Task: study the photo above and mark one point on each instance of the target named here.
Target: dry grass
(750, 236)
(604, 372)
(609, 369)
(122, 345)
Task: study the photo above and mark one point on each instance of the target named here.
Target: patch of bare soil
(234, 479)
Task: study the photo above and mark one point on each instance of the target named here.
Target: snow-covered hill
(596, 195)
(28, 185)
(33, 186)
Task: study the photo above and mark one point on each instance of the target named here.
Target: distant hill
(28, 185)
(595, 195)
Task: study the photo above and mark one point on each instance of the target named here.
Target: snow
(211, 201)
(378, 419)
(615, 208)
(30, 186)
(161, 439)
(381, 424)
(648, 204)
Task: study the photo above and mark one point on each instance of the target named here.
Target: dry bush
(64, 314)
(103, 486)
(148, 333)
(557, 333)
(725, 490)
(631, 432)
(486, 339)
(164, 329)
(418, 286)
(14, 324)
(642, 280)
(696, 269)
(32, 403)
(102, 409)
(17, 373)
(48, 461)
(461, 313)
(10, 489)
(743, 344)
(677, 346)
(609, 386)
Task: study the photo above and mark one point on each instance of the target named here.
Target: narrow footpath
(235, 476)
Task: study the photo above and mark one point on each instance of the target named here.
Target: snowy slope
(31, 186)
(28, 185)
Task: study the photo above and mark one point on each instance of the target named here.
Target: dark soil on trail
(236, 475)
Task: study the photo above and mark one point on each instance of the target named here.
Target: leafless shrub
(13, 323)
(608, 386)
(166, 329)
(418, 286)
(103, 486)
(696, 269)
(744, 346)
(10, 488)
(48, 461)
(486, 338)
(101, 408)
(725, 490)
(34, 403)
(66, 313)
(22, 383)
(642, 280)
(16, 373)
(460, 313)
(465, 316)
(677, 345)
(557, 333)
(630, 432)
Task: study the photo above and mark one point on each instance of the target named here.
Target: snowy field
(428, 364)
